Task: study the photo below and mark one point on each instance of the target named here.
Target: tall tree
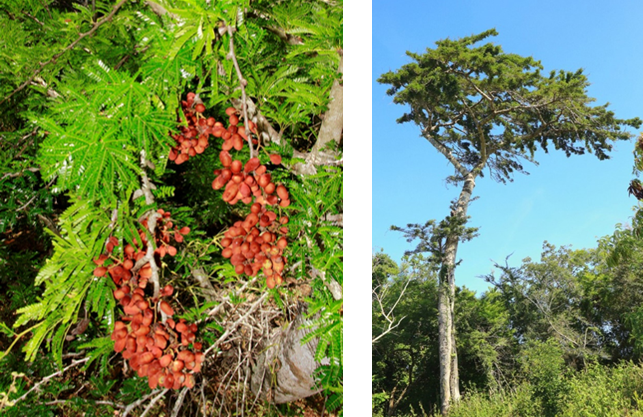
(483, 108)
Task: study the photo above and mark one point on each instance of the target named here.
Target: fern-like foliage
(69, 281)
(319, 247)
(95, 133)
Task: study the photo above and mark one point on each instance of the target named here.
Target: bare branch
(49, 377)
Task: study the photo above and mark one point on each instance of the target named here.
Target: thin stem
(242, 82)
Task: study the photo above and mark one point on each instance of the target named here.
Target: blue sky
(566, 201)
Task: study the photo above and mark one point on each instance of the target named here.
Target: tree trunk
(449, 379)
(284, 371)
(444, 336)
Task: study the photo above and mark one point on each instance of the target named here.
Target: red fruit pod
(218, 183)
(160, 341)
(236, 166)
(230, 191)
(284, 203)
(153, 380)
(145, 272)
(210, 122)
(226, 253)
(237, 142)
(181, 327)
(282, 192)
(275, 159)
(189, 381)
(283, 220)
(261, 170)
(171, 250)
(119, 334)
(230, 111)
(168, 290)
(245, 190)
(264, 180)
(169, 381)
(165, 360)
(241, 131)
(177, 366)
(128, 264)
(178, 237)
(131, 309)
(100, 271)
(130, 344)
(119, 345)
(101, 259)
(185, 356)
(270, 282)
(184, 230)
(166, 308)
(225, 158)
(181, 158)
(270, 188)
(125, 300)
(225, 242)
(173, 155)
(234, 120)
(282, 243)
(200, 108)
(252, 164)
(255, 208)
(146, 358)
(192, 152)
(239, 269)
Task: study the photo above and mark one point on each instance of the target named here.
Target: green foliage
(488, 108)
(78, 114)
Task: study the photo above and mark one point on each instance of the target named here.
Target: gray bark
(284, 371)
(449, 378)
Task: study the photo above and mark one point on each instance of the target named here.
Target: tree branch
(98, 24)
(242, 83)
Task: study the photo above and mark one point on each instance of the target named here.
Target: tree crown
(481, 107)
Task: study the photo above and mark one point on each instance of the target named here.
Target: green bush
(605, 392)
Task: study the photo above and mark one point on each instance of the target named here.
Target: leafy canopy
(481, 107)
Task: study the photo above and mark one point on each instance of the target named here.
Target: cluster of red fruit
(252, 244)
(157, 350)
(193, 138)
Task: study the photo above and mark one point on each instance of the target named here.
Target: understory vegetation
(557, 337)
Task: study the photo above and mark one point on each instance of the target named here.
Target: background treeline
(562, 336)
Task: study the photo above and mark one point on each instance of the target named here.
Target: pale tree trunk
(444, 340)
(449, 379)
